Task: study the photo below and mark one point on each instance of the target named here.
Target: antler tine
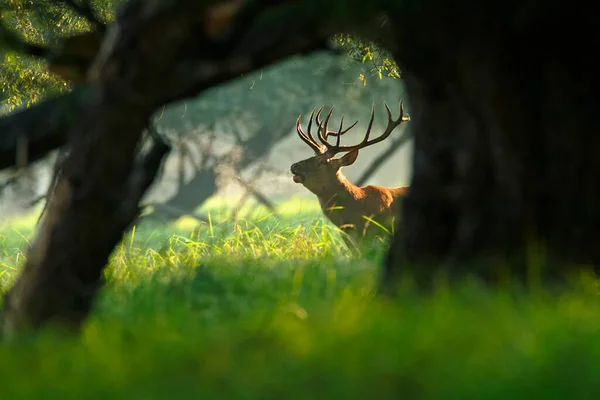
(339, 134)
(402, 117)
(366, 138)
(301, 132)
(388, 130)
(309, 128)
(308, 139)
(317, 118)
(392, 124)
(323, 128)
(389, 112)
(347, 129)
(327, 133)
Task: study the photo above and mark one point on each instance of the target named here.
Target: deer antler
(333, 149)
(327, 133)
(308, 138)
(323, 133)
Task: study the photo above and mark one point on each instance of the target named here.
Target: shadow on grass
(272, 309)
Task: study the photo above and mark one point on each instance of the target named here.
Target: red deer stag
(349, 207)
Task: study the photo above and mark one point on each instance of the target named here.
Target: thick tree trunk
(98, 184)
(186, 46)
(504, 112)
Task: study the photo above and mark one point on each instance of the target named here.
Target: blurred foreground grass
(276, 309)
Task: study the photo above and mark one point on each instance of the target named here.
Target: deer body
(346, 205)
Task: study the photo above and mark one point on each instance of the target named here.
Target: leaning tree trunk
(64, 266)
(187, 46)
(505, 121)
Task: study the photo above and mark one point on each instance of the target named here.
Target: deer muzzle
(295, 168)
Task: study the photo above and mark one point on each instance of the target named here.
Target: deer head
(322, 170)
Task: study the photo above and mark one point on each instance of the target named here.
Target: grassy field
(277, 309)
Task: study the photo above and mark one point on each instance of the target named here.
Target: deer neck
(339, 192)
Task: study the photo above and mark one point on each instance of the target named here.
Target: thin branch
(187, 149)
(382, 158)
(45, 125)
(56, 170)
(258, 196)
(145, 173)
(8, 182)
(181, 164)
(246, 196)
(262, 45)
(97, 196)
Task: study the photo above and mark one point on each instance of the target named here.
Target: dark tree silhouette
(503, 117)
(97, 194)
(203, 184)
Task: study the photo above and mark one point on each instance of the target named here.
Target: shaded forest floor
(276, 309)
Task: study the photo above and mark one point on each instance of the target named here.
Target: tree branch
(264, 200)
(53, 180)
(44, 126)
(146, 171)
(8, 182)
(132, 54)
(142, 65)
(382, 158)
(86, 11)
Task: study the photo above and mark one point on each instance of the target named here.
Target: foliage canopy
(25, 79)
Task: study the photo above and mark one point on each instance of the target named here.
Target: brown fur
(345, 204)
(360, 211)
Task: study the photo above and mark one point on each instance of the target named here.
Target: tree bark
(97, 195)
(504, 116)
(98, 184)
(42, 128)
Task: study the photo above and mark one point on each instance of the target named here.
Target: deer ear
(349, 158)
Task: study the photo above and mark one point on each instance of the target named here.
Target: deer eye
(324, 162)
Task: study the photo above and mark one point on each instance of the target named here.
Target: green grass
(268, 309)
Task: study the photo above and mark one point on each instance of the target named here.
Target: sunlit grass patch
(225, 330)
(264, 308)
